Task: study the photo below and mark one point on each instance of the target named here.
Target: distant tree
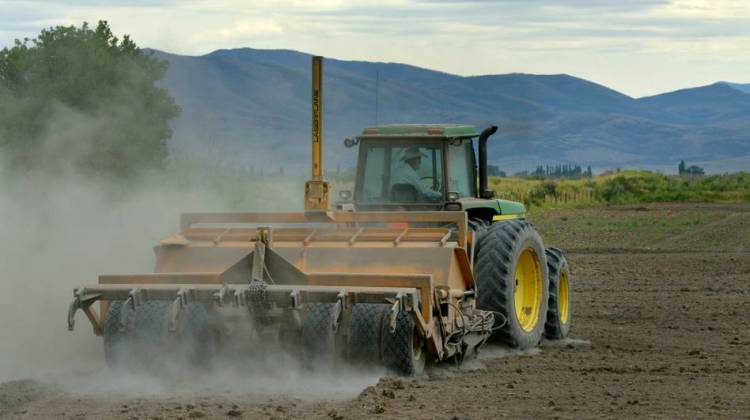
(588, 173)
(494, 170)
(82, 98)
(681, 167)
(560, 171)
(694, 171)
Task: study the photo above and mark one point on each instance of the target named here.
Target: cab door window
(461, 169)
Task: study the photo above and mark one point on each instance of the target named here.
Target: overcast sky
(639, 47)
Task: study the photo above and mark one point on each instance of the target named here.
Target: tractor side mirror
(350, 142)
(345, 195)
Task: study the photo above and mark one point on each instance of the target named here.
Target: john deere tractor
(434, 168)
(421, 262)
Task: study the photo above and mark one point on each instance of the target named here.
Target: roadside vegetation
(624, 187)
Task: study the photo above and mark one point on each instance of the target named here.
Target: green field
(684, 227)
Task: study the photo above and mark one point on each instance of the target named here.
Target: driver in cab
(407, 173)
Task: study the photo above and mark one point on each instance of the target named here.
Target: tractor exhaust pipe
(484, 192)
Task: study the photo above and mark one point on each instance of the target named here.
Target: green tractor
(421, 262)
(434, 168)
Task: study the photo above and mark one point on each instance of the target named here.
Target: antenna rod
(377, 86)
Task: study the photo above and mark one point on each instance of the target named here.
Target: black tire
(153, 341)
(403, 350)
(558, 326)
(147, 342)
(137, 346)
(499, 250)
(318, 338)
(197, 335)
(113, 338)
(365, 329)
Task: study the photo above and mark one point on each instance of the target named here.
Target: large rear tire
(560, 308)
(512, 281)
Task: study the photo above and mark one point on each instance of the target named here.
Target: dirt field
(661, 329)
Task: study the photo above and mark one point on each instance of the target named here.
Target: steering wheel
(437, 187)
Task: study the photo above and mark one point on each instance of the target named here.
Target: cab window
(461, 169)
(374, 177)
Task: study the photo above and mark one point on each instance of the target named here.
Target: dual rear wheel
(526, 288)
(560, 307)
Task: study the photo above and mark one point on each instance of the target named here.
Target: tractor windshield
(401, 173)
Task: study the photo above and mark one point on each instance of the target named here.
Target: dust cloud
(61, 231)
(261, 372)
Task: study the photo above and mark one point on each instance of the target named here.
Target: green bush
(80, 98)
(537, 194)
(649, 187)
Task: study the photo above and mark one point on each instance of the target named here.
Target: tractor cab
(426, 167)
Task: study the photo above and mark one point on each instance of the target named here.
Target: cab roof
(436, 131)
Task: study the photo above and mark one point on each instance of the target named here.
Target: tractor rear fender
(491, 210)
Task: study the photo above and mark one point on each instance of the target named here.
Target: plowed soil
(661, 329)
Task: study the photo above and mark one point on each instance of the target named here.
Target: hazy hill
(250, 107)
(718, 104)
(743, 87)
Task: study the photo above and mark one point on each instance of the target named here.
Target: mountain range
(251, 108)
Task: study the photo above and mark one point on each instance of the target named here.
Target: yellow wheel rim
(528, 293)
(563, 297)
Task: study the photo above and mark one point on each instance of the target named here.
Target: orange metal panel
(456, 217)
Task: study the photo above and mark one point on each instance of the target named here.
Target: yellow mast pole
(316, 189)
(317, 118)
